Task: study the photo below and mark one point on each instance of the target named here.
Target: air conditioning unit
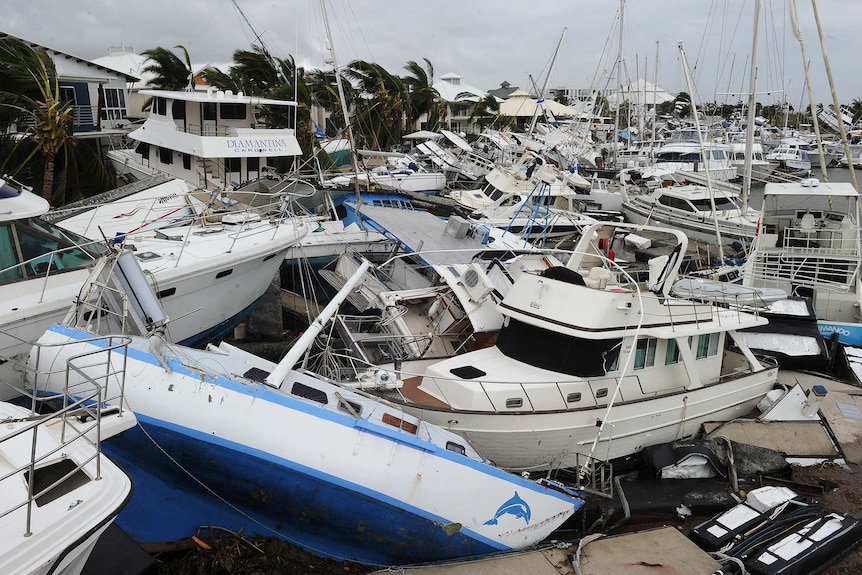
(477, 283)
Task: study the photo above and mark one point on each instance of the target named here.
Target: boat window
(308, 392)
(600, 393)
(514, 402)
(9, 268)
(554, 351)
(178, 110)
(456, 448)
(573, 397)
(721, 203)
(143, 149)
(45, 246)
(187, 161)
(160, 106)
(707, 345)
(66, 471)
(208, 111)
(166, 155)
(671, 354)
(233, 111)
(645, 352)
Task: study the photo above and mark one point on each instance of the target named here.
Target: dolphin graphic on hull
(514, 506)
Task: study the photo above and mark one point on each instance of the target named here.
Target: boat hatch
(56, 480)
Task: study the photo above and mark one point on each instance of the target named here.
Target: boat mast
(703, 151)
(794, 22)
(334, 62)
(841, 129)
(749, 128)
(545, 85)
(619, 85)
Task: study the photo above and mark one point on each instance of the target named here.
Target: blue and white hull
(330, 469)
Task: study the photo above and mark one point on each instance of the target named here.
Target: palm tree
(169, 72)
(485, 111)
(381, 103)
(31, 99)
(422, 98)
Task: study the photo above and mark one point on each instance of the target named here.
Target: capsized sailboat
(227, 438)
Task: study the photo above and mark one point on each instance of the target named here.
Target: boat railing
(76, 422)
(807, 269)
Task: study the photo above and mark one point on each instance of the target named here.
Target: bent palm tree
(422, 98)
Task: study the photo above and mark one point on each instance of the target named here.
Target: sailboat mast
(619, 84)
(545, 85)
(835, 102)
(794, 22)
(338, 82)
(703, 152)
(752, 103)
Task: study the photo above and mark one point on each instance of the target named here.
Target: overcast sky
(486, 41)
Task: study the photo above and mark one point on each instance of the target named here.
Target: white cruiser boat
(584, 343)
(206, 276)
(689, 208)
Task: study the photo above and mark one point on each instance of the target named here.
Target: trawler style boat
(585, 342)
(375, 484)
(809, 245)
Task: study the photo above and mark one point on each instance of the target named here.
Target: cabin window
(252, 164)
(187, 162)
(308, 392)
(166, 155)
(645, 352)
(232, 165)
(160, 106)
(178, 110)
(9, 268)
(600, 393)
(44, 248)
(233, 111)
(456, 448)
(208, 111)
(707, 345)
(514, 402)
(573, 397)
(554, 351)
(167, 292)
(671, 354)
(144, 150)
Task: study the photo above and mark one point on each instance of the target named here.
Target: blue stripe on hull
(317, 515)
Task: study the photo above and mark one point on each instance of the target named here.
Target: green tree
(380, 104)
(422, 98)
(485, 111)
(169, 72)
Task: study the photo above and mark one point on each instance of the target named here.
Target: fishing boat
(808, 244)
(595, 358)
(229, 439)
(208, 277)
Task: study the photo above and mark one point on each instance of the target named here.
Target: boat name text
(263, 145)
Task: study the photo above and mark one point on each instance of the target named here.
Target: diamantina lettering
(255, 145)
